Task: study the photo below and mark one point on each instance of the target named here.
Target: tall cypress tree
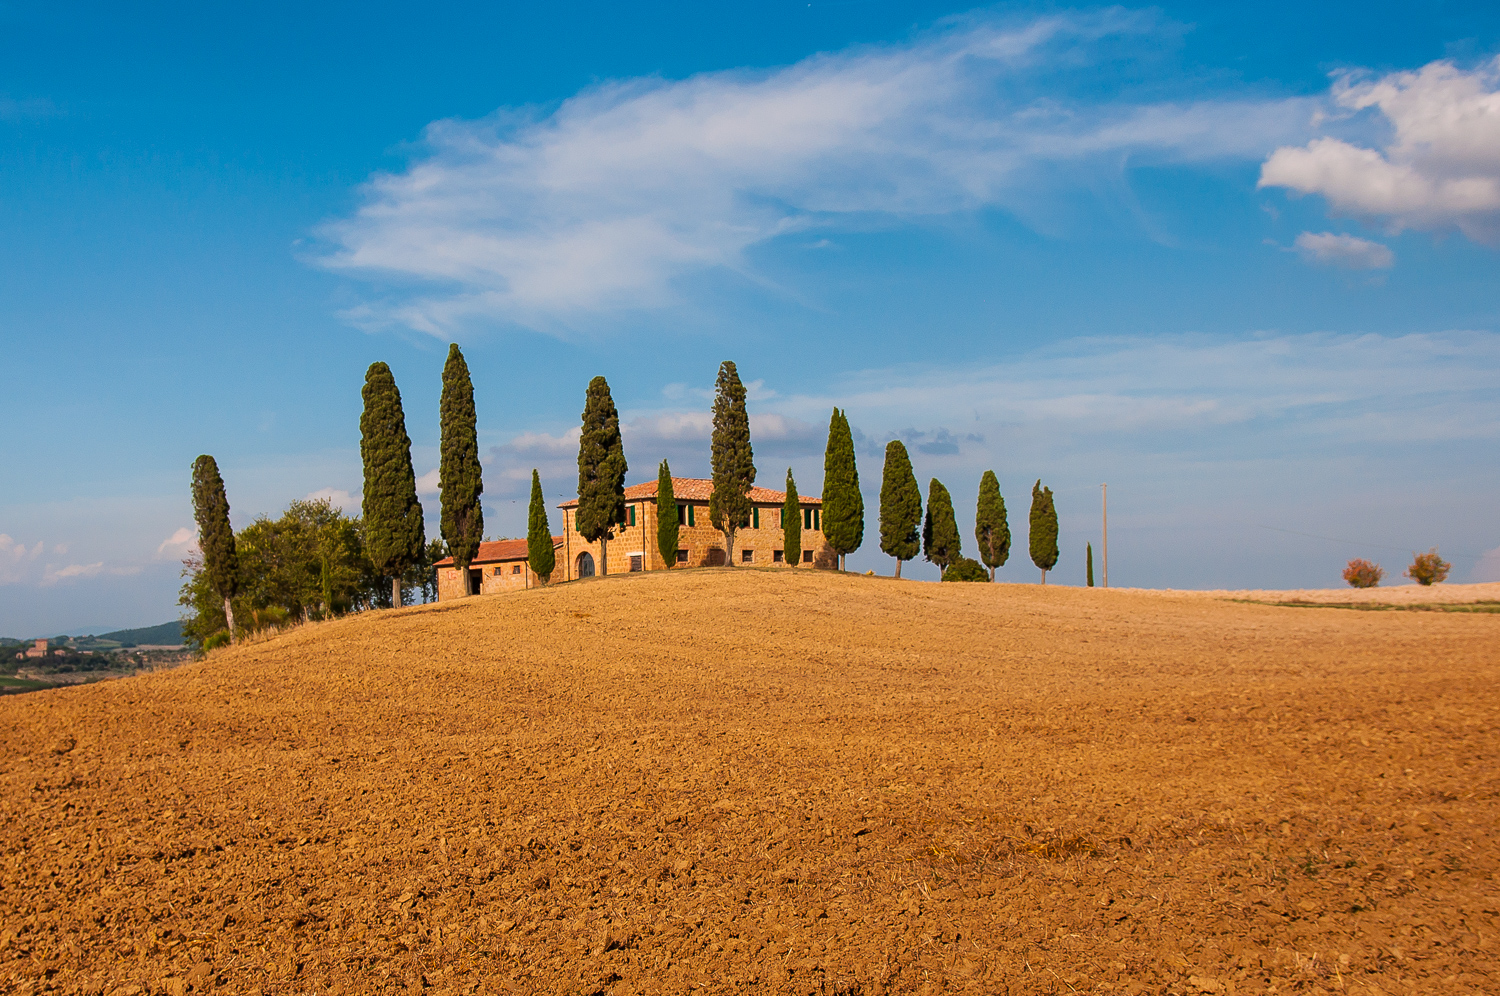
(791, 523)
(1043, 535)
(733, 461)
(540, 553)
(940, 541)
(900, 506)
(601, 471)
(459, 476)
(394, 533)
(666, 516)
(991, 529)
(843, 505)
(1089, 561)
(221, 561)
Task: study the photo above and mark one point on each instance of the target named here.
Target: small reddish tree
(1363, 574)
(1428, 568)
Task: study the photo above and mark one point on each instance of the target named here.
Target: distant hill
(167, 634)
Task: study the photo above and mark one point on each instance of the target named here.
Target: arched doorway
(585, 564)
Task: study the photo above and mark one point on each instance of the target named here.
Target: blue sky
(1239, 263)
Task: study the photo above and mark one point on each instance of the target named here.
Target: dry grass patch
(771, 782)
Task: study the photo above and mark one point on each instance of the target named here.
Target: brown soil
(772, 782)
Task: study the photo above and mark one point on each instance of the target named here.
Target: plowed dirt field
(746, 781)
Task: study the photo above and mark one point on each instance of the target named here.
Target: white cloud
(78, 571)
(1440, 168)
(15, 559)
(605, 202)
(1346, 251)
(338, 498)
(427, 484)
(179, 545)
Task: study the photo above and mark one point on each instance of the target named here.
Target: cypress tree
(601, 471)
(900, 506)
(540, 553)
(940, 542)
(991, 529)
(1089, 548)
(459, 476)
(843, 505)
(221, 561)
(733, 461)
(666, 516)
(791, 523)
(1043, 535)
(394, 534)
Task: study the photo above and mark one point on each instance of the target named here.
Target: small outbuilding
(500, 565)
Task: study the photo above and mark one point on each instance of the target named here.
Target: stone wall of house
(507, 575)
(704, 544)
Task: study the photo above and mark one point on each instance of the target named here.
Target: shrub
(1428, 568)
(219, 639)
(1363, 574)
(966, 569)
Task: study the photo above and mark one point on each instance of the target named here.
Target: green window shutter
(690, 515)
(755, 518)
(632, 515)
(817, 518)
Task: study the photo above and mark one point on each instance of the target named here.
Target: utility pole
(1104, 490)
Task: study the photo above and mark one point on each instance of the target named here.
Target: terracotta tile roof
(498, 550)
(701, 489)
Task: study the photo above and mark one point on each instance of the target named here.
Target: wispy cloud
(71, 572)
(601, 205)
(16, 559)
(179, 545)
(1347, 251)
(338, 498)
(1440, 168)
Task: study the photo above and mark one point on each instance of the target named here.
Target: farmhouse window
(778, 556)
(635, 563)
(682, 556)
(755, 518)
(516, 569)
(807, 556)
(497, 572)
(747, 556)
(682, 515)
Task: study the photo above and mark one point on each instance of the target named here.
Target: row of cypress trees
(939, 541)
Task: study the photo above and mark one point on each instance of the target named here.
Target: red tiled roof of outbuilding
(701, 489)
(495, 551)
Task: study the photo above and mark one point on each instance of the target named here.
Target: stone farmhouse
(499, 566)
(633, 546)
(502, 565)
